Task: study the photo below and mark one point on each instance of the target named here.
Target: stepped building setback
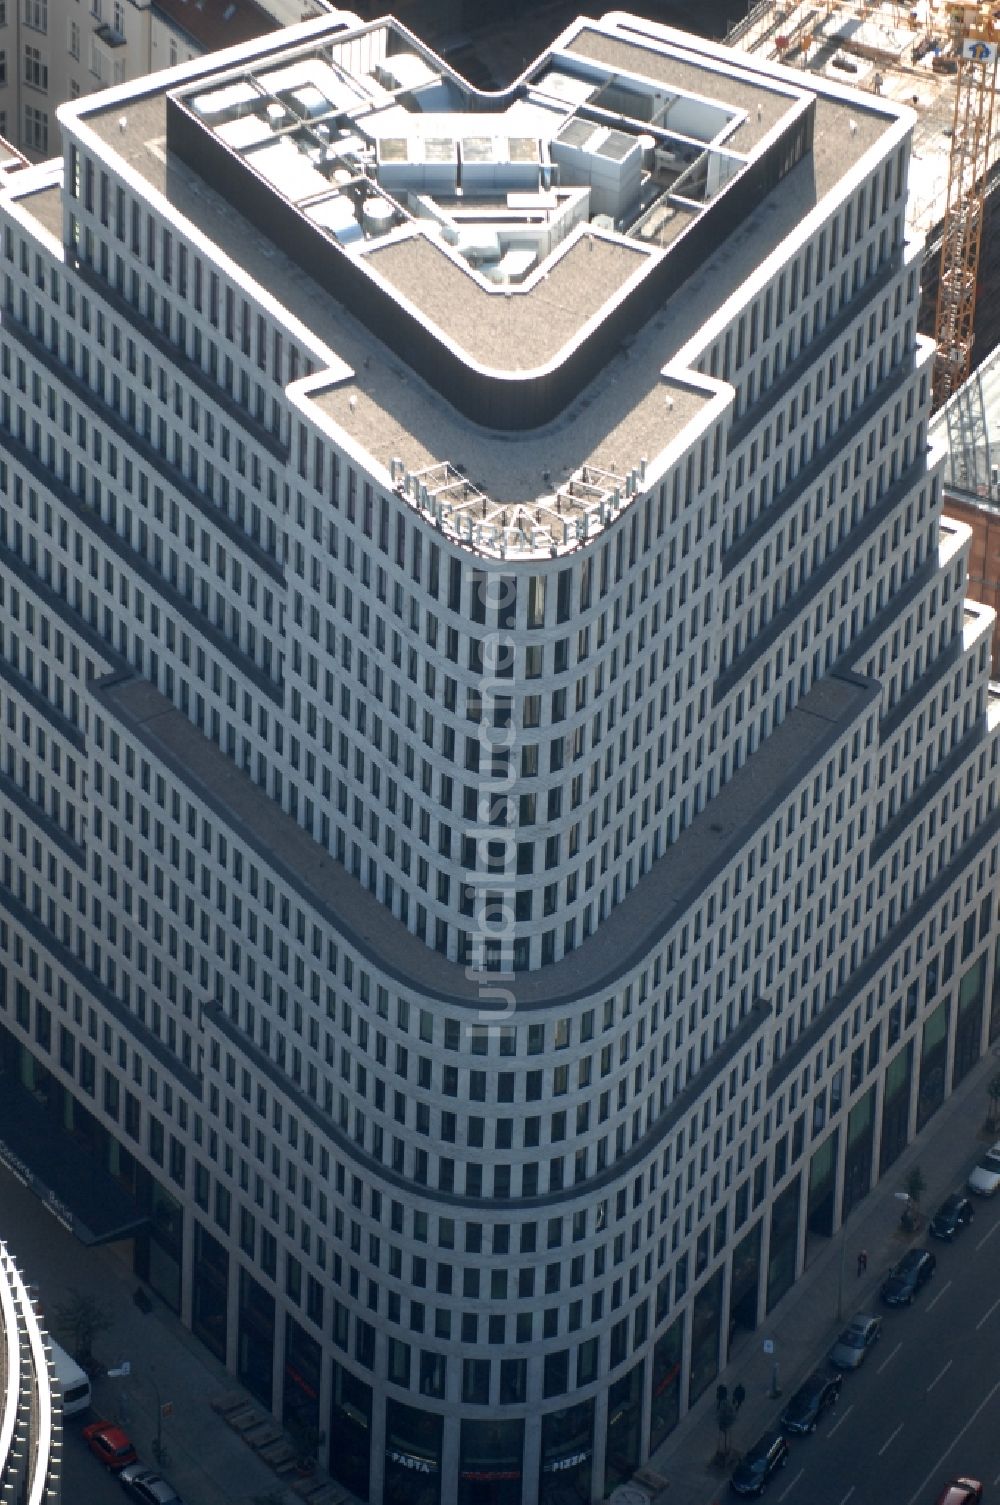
(499, 773)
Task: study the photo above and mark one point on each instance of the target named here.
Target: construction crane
(970, 33)
(977, 47)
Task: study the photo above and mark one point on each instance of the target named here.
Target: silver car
(985, 1179)
(851, 1348)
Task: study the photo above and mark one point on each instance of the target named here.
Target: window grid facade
(241, 703)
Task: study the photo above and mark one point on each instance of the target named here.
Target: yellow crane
(977, 46)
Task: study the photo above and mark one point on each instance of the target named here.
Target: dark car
(147, 1486)
(952, 1216)
(905, 1279)
(756, 1468)
(809, 1402)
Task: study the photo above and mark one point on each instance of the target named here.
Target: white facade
(30, 1408)
(271, 605)
(54, 50)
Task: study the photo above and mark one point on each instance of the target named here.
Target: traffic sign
(768, 1345)
(979, 52)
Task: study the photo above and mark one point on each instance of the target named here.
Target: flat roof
(634, 926)
(521, 331)
(636, 405)
(638, 56)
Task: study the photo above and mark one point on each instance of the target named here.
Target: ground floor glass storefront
(784, 1242)
(624, 1440)
(969, 1024)
(209, 1288)
(491, 1455)
(566, 1466)
(933, 1055)
(255, 1347)
(858, 1157)
(665, 1408)
(896, 1108)
(822, 1186)
(745, 1284)
(350, 1432)
(302, 1379)
(706, 1319)
(412, 1455)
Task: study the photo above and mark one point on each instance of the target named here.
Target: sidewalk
(805, 1323)
(209, 1463)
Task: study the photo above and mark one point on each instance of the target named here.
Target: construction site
(938, 58)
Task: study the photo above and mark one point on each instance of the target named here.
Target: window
(74, 39)
(35, 135)
(3, 68)
(36, 69)
(36, 14)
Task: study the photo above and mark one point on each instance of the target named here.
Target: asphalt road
(85, 1481)
(925, 1405)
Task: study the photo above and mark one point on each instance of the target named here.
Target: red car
(110, 1444)
(961, 1492)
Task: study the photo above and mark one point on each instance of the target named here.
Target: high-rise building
(499, 771)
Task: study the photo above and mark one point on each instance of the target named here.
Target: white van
(73, 1381)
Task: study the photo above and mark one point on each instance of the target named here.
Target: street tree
(993, 1093)
(914, 1187)
(725, 1416)
(82, 1318)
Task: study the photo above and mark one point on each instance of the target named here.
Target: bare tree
(993, 1093)
(82, 1318)
(914, 1187)
(725, 1416)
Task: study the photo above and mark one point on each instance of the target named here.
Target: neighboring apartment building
(52, 50)
(499, 774)
(969, 428)
(30, 1412)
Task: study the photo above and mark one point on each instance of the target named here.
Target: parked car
(985, 1179)
(148, 1487)
(110, 1444)
(851, 1348)
(961, 1492)
(952, 1216)
(809, 1402)
(906, 1279)
(756, 1468)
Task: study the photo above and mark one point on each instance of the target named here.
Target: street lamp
(123, 1371)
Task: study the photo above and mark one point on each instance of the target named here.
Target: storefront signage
(489, 1475)
(59, 1210)
(410, 1460)
(15, 1165)
(571, 1460)
(27, 1177)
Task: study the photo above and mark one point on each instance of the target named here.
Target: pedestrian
(862, 1261)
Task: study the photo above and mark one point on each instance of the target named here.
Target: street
(923, 1408)
(85, 1482)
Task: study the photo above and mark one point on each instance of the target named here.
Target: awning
(70, 1184)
